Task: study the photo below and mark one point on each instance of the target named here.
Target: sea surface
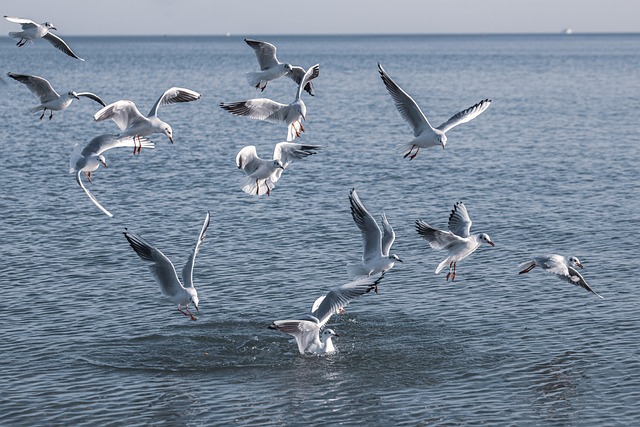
(553, 166)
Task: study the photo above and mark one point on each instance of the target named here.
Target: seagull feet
(51, 115)
(410, 151)
(21, 43)
(137, 147)
(263, 87)
(268, 189)
(187, 313)
(88, 174)
(42, 116)
(416, 153)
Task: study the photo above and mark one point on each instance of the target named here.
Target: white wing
(438, 239)
(92, 96)
(265, 53)
(409, 110)
(287, 152)
(311, 74)
(93, 199)
(459, 221)
(339, 297)
(26, 23)
(371, 236)
(122, 112)
(574, 277)
(187, 270)
(258, 109)
(465, 115)
(102, 143)
(388, 236)
(161, 267)
(60, 44)
(172, 96)
(247, 159)
(306, 332)
(38, 86)
(297, 74)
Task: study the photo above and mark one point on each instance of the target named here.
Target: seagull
(275, 112)
(165, 273)
(88, 158)
(268, 172)
(561, 266)
(49, 98)
(271, 68)
(132, 123)
(376, 244)
(457, 240)
(32, 31)
(425, 135)
(308, 329)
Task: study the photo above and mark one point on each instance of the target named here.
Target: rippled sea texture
(551, 166)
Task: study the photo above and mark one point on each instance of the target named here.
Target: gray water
(551, 166)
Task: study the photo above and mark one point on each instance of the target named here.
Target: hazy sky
(240, 17)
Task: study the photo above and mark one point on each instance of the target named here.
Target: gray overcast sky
(240, 17)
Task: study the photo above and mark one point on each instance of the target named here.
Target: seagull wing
(59, 44)
(247, 159)
(91, 196)
(340, 296)
(576, 278)
(161, 267)
(123, 112)
(311, 74)
(371, 236)
(465, 115)
(102, 143)
(38, 86)
(26, 23)
(438, 239)
(388, 236)
(306, 332)
(258, 109)
(409, 110)
(172, 96)
(265, 53)
(287, 152)
(297, 74)
(92, 96)
(187, 270)
(459, 221)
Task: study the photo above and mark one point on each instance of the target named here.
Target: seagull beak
(103, 163)
(53, 28)
(491, 243)
(196, 307)
(336, 335)
(580, 265)
(171, 139)
(399, 260)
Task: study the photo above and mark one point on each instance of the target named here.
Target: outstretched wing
(160, 266)
(187, 270)
(265, 53)
(465, 115)
(304, 331)
(60, 44)
(406, 106)
(38, 86)
(388, 235)
(311, 74)
(102, 143)
(297, 74)
(438, 239)
(258, 109)
(371, 236)
(172, 96)
(122, 112)
(287, 152)
(340, 296)
(247, 159)
(92, 96)
(459, 221)
(575, 278)
(26, 23)
(91, 196)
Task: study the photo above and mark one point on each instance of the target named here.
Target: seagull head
(575, 261)
(328, 334)
(169, 132)
(485, 238)
(277, 163)
(74, 95)
(287, 67)
(442, 139)
(49, 26)
(102, 160)
(194, 300)
(395, 257)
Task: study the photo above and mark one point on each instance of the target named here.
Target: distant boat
(567, 31)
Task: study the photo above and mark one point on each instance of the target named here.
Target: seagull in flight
(376, 244)
(457, 241)
(86, 159)
(309, 331)
(424, 134)
(275, 112)
(271, 68)
(561, 266)
(262, 175)
(48, 97)
(132, 123)
(165, 274)
(32, 31)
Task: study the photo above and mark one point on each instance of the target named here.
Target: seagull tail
(17, 36)
(249, 186)
(442, 264)
(405, 149)
(254, 79)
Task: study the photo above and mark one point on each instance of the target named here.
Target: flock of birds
(261, 177)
